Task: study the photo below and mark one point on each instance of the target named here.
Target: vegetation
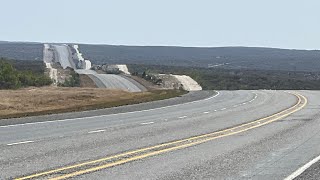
(73, 81)
(37, 67)
(226, 57)
(11, 78)
(234, 79)
(21, 51)
(148, 77)
(40, 101)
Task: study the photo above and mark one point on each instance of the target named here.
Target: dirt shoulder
(51, 100)
(86, 81)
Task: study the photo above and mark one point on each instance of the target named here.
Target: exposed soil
(86, 81)
(147, 84)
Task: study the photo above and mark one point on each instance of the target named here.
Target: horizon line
(181, 46)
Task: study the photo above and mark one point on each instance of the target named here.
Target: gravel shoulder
(312, 173)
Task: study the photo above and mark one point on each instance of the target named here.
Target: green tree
(27, 78)
(73, 81)
(8, 76)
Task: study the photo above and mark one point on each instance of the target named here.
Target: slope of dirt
(86, 81)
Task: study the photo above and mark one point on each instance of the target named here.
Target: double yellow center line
(103, 163)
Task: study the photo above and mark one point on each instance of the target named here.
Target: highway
(109, 81)
(112, 81)
(63, 56)
(231, 135)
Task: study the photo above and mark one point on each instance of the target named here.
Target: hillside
(226, 57)
(222, 57)
(235, 79)
(21, 51)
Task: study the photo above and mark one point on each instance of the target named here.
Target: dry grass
(39, 101)
(86, 81)
(147, 84)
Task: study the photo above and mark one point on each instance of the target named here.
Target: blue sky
(293, 24)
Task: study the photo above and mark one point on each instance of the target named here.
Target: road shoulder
(189, 97)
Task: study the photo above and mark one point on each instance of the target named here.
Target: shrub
(10, 78)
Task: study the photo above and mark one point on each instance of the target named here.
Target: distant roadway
(110, 81)
(63, 56)
(232, 135)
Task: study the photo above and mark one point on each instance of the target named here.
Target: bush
(235, 79)
(73, 81)
(41, 80)
(10, 78)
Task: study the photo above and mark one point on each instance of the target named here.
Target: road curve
(271, 151)
(109, 81)
(112, 81)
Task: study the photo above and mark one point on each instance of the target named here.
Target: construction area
(62, 60)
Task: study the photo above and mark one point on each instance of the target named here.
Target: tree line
(236, 79)
(11, 78)
(72, 81)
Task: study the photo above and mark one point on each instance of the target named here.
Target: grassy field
(49, 100)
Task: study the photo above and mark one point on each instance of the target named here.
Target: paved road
(112, 81)
(63, 56)
(186, 98)
(109, 81)
(272, 151)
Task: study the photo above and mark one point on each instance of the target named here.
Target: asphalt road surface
(233, 135)
(112, 81)
(109, 81)
(63, 56)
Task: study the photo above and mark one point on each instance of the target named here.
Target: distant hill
(223, 57)
(226, 57)
(21, 51)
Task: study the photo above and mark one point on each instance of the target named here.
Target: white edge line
(183, 117)
(90, 117)
(206, 112)
(147, 123)
(302, 169)
(97, 131)
(23, 142)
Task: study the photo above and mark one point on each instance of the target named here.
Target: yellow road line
(148, 154)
